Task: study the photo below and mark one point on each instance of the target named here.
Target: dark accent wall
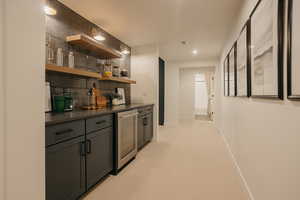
(66, 23)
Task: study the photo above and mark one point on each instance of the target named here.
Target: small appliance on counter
(63, 103)
(121, 94)
(95, 99)
(59, 104)
(68, 100)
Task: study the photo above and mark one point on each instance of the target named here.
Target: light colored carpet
(190, 162)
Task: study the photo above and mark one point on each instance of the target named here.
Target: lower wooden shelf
(78, 72)
(116, 79)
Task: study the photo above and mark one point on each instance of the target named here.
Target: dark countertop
(57, 118)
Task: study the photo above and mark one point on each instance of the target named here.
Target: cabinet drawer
(62, 132)
(97, 123)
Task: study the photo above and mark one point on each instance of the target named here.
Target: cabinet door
(99, 159)
(65, 170)
(148, 125)
(140, 132)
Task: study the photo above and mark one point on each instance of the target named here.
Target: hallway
(190, 162)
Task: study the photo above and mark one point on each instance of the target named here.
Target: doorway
(201, 97)
(196, 93)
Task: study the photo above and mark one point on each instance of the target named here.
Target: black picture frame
(280, 50)
(245, 30)
(232, 51)
(226, 76)
(290, 94)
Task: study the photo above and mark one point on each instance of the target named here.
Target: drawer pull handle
(88, 146)
(64, 132)
(101, 122)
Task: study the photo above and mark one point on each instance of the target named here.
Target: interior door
(161, 92)
(99, 158)
(65, 170)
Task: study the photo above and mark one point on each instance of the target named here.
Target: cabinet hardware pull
(88, 146)
(64, 132)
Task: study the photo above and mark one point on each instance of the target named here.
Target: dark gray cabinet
(65, 170)
(78, 155)
(145, 126)
(140, 132)
(99, 157)
(148, 125)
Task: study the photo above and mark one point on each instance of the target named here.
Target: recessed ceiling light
(49, 11)
(195, 52)
(99, 37)
(125, 52)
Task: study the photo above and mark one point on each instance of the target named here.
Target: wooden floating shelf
(67, 70)
(78, 72)
(116, 79)
(88, 43)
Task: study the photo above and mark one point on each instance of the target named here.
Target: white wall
(263, 135)
(24, 73)
(1, 104)
(172, 91)
(144, 69)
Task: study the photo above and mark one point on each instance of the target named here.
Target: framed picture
(293, 59)
(226, 77)
(267, 29)
(121, 92)
(232, 71)
(243, 71)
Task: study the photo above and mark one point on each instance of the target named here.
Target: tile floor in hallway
(189, 162)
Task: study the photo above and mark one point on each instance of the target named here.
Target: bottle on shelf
(71, 59)
(59, 57)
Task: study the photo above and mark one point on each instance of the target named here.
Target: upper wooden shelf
(88, 43)
(78, 72)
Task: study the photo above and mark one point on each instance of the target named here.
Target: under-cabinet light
(49, 11)
(99, 37)
(125, 52)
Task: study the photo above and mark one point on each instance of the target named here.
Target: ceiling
(203, 24)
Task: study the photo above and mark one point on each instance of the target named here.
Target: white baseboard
(237, 166)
